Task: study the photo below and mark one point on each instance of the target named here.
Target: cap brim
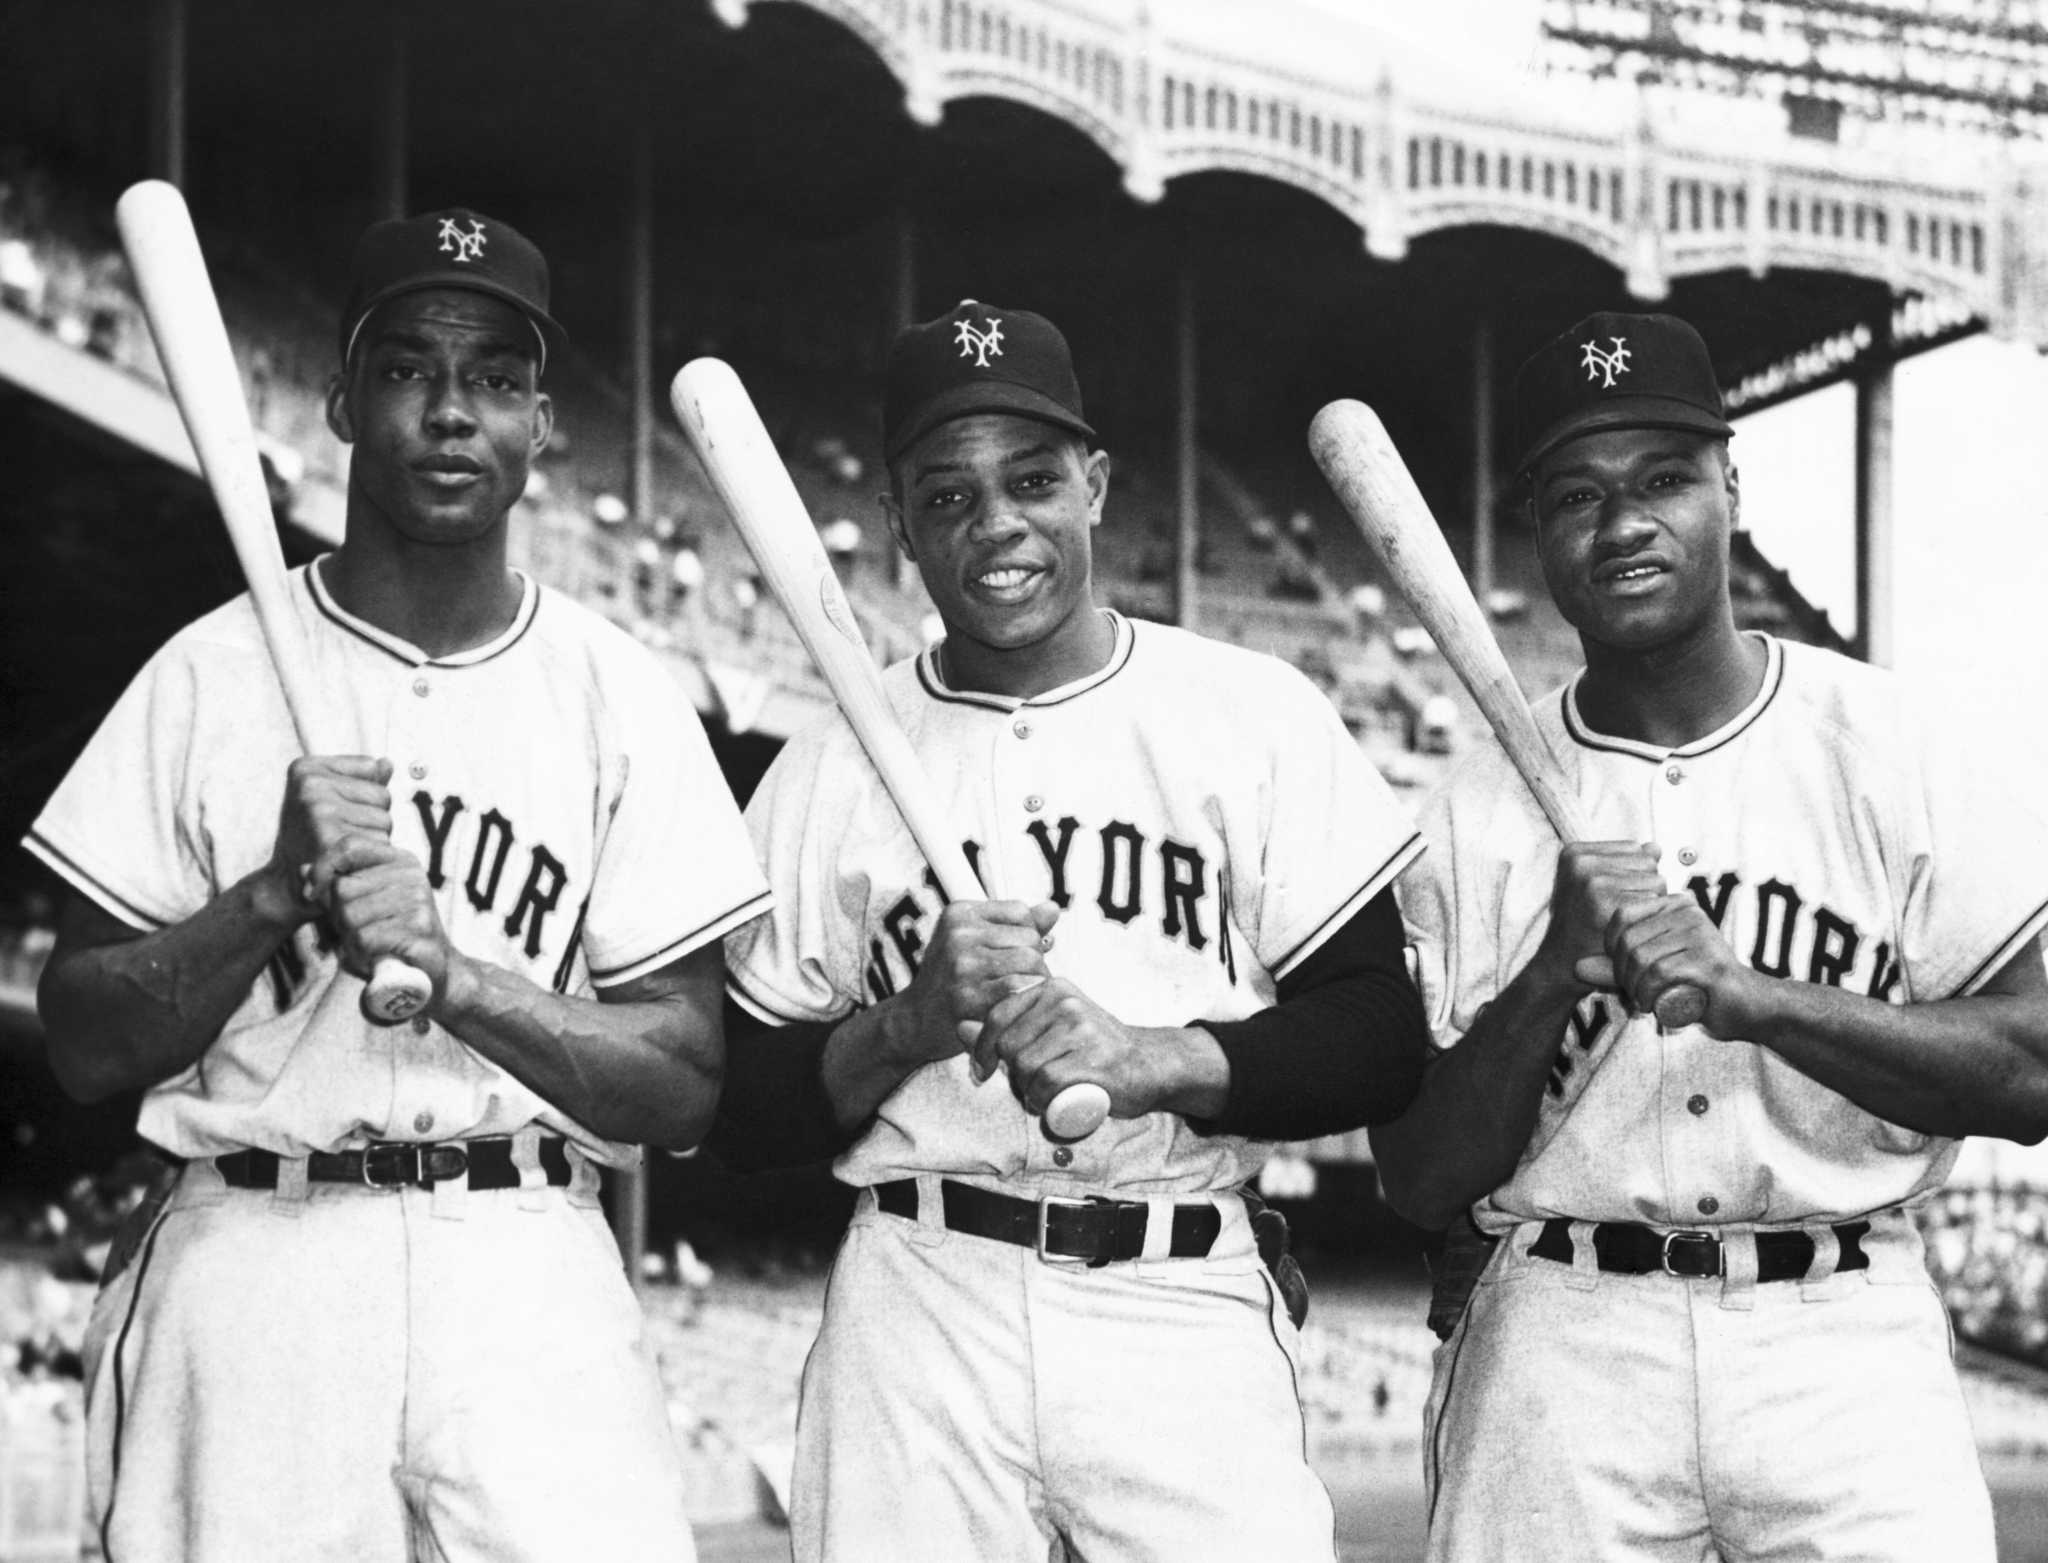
(1624, 412)
(553, 337)
(961, 401)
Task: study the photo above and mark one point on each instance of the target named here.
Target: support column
(629, 1190)
(640, 315)
(1483, 489)
(1875, 542)
(168, 29)
(1188, 467)
(903, 268)
(393, 147)
(902, 313)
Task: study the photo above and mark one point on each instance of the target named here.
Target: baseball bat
(1351, 445)
(192, 343)
(723, 425)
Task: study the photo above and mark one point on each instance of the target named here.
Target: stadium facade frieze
(1659, 187)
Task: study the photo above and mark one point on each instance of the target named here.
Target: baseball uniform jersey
(561, 796)
(326, 1371)
(1204, 822)
(1832, 840)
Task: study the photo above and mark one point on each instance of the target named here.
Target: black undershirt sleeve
(772, 1110)
(1344, 1045)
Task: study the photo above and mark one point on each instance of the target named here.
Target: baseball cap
(456, 248)
(1615, 371)
(978, 358)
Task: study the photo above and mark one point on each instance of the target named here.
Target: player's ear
(543, 422)
(338, 418)
(1095, 466)
(892, 507)
(1734, 482)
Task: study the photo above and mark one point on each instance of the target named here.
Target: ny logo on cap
(1609, 364)
(466, 247)
(979, 343)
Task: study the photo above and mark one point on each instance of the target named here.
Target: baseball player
(381, 1315)
(1031, 1346)
(1706, 1330)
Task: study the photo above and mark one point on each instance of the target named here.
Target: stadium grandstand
(1234, 224)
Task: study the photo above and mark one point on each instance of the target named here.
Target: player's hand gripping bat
(192, 343)
(1351, 446)
(720, 418)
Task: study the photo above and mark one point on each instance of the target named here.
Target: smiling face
(996, 511)
(1633, 529)
(442, 405)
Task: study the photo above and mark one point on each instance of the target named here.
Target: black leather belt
(390, 1164)
(1090, 1231)
(1623, 1249)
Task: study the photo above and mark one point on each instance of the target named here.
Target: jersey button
(421, 1025)
(1696, 1105)
(422, 1122)
(1687, 856)
(1033, 804)
(416, 771)
(1708, 1204)
(1022, 729)
(1062, 1156)
(1674, 774)
(420, 686)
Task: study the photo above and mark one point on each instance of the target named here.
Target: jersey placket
(1021, 777)
(1677, 801)
(411, 718)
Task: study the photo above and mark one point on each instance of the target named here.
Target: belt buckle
(402, 1175)
(1711, 1250)
(1045, 1204)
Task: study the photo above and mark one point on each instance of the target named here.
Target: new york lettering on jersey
(1128, 876)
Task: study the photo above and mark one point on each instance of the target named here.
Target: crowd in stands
(1988, 1250)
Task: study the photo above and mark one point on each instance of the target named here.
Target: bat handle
(395, 992)
(1077, 1112)
(1681, 1007)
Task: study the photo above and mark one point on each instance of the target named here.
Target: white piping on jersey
(931, 675)
(1576, 728)
(411, 655)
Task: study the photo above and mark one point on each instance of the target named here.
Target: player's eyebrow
(489, 347)
(1671, 450)
(938, 469)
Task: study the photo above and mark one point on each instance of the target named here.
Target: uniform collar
(931, 674)
(406, 652)
(1586, 738)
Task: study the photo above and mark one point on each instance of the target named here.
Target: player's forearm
(1469, 1124)
(122, 1014)
(868, 1055)
(1957, 1067)
(644, 1069)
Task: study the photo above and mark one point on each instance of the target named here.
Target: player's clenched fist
(980, 953)
(381, 904)
(1595, 881)
(328, 800)
(1670, 942)
(1054, 1035)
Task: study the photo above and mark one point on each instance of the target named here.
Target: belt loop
(930, 1230)
(584, 1178)
(289, 1197)
(1585, 1274)
(1159, 1228)
(1738, 1269)
(200, 1183)
(450, 1197)
(1827, 1254)
(533, 1177)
